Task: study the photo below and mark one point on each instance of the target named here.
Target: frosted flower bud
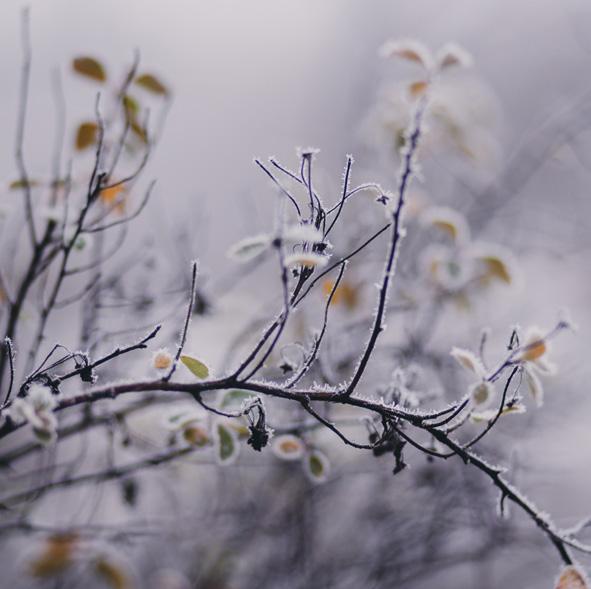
(162, 360)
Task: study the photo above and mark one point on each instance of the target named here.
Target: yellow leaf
(86, 135)
(131, 106)
(89, 67)
(417, 89)
(197, 367)
(346, 294)
(152, 83)
(497, 268)
(533, 351)
(114, 196)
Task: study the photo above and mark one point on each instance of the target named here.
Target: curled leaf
(451, 55)
(197, 367)
(89, 67)
(409, 50)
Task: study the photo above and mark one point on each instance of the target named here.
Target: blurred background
(510, 149)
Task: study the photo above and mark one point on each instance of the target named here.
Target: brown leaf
(86, 135)
(112, 573)
(139, 131)
(89, 67)
(152, 84)
(571, 578)
(56, 556)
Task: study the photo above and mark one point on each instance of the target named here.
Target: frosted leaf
(534, 386)
(317, 466)
(162, 360)
(497, 262)
(572, 577)
(482, 393)
(410, 50)
(468, 360)
(303, 233)
(452, 223)
(307, 259)
(490, 414)
(249, 248)
(534, 351)
(452, 54)
(288, 447)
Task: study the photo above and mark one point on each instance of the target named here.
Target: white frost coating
(303, 232)
(249, 248)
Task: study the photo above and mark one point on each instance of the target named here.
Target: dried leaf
(114, 195)
(114, 574)
(86, 135)
(152, 84)
(131, 106)
(89, 67)
(56, 557)
(497, 268)
(468, 360)
(417, 89)
(140, 132)
(21, 184)
(572, 577)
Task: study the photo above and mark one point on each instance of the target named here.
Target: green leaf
(235, 397)
(131, 107)
(226, 444)
(86, 135)
(317, 466)
(89, 67)
(20, 184)
(197, 367)
(152, 84)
